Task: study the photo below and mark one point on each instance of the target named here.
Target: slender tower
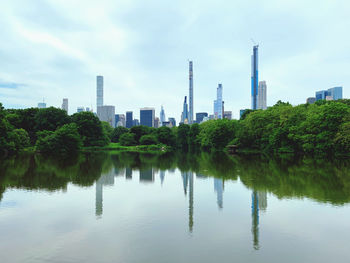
(255, 77)
(190, 117)
(99, 91)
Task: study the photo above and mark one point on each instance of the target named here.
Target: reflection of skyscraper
(185, 181)
(106, 179)
(128, 173)
(190, 206)
(262, 196)
(255, 220)
(219, 189)
(146, 175)
(162, 175)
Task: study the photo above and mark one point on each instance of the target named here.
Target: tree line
(322, 128)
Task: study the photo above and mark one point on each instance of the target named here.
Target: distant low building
(228, 115)
(172, 121)
(335, 93)
(200, 116)
(310, 100)
(65, 104)
(41, 105)
(157, 123)
(80, 109)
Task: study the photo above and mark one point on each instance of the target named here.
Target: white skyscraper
(99, 91)
(65, 105)
(262, 95)
(218, 103)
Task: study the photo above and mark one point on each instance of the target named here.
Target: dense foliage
(322, 128)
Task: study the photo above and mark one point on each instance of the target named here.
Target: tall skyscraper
(147, 117)
(129, 119)
(156, 123)
(162, 116)
(172, 121)
(65, 105)
(218, 103)
(262, 95)
(255, 77)
(99, 91)
(190, 115)
(107, 114)
(119, 120)
(184, 115)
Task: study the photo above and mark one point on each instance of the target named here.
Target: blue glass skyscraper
(255, 78)
(129, 119)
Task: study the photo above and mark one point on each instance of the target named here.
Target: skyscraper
(262, 95)
(172, 121)
(107, 114)
(119, 120)
(162, 116)
(218, 103)
(129, 119)
(228, 115)
(65, 105)
(184, 115)
(147, 117)
(190, 117)
(99, 91)
(255, 77)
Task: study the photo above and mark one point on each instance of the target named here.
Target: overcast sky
(54, 49)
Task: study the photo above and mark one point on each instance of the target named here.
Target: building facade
(80, 109)
(99, 91)
(106, 113)
(147, 117)
(218, 103)
(65, 104)
(228, 115)
(119, 120)
(184, 115)
(255, 78)
(335, 93)
(129, 119)
(172, 121)
(156, 123)
(41, 105)
(200, 116)
(262, 95)
(311, 100)
(162, 116)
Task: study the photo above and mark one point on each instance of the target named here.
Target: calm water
(174, 208)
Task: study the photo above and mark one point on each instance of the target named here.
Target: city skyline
(54, 51)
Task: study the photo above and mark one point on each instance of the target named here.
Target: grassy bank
(155, 148)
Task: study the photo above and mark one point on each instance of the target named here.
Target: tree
(117, 132)
(148, 139)
(182, 136)
(90, 129)
(166, 136)
(193, 136)
(50, 119)
(65, 140)
(139, 131)
(20, 139)
(108, 130)
(127, 139)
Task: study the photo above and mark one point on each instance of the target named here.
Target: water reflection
(327, 182)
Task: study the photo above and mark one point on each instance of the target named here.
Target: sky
(54, 49)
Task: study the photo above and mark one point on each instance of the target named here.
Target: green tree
(193, 139)
(139, 131)
(90, 129)
(65, 140)
(117, 132)
(108, 130)
(182, 136)
(127, 139)
(148, 139)
(166, 136)
(50, 119)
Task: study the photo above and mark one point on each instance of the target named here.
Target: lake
(129, 207)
